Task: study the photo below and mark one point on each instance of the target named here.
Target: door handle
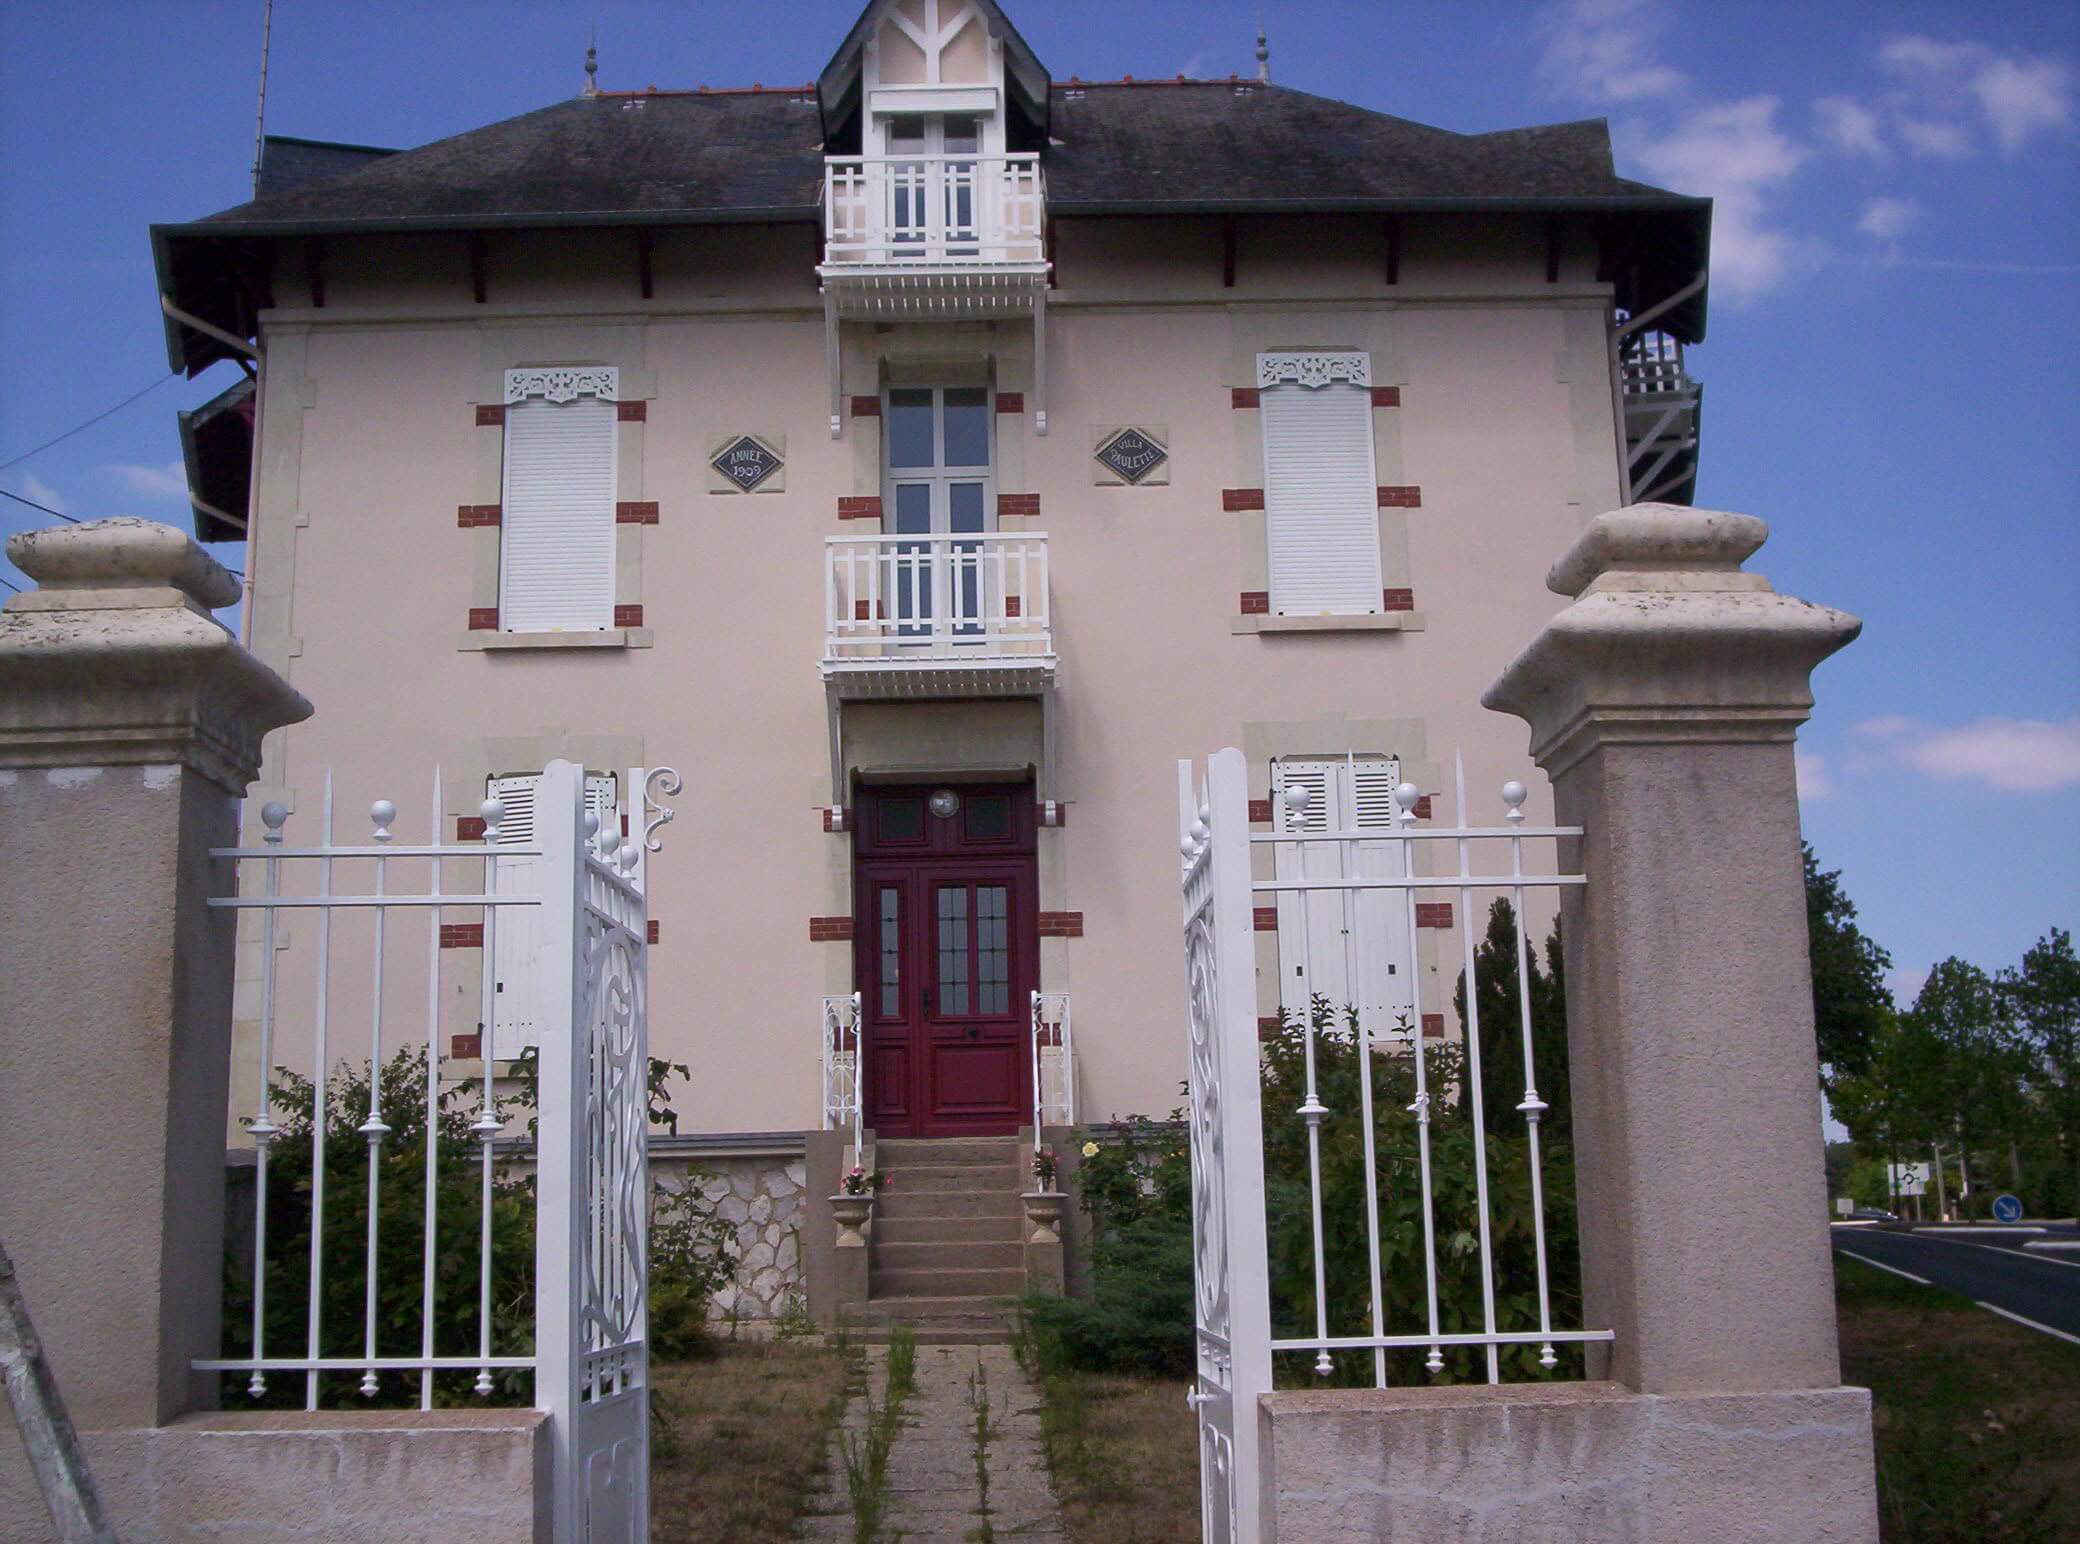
(974, 1032)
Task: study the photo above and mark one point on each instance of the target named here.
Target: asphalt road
(1987, 1266)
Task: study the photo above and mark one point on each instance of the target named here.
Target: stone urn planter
(1044, 1214)
(852, 1213)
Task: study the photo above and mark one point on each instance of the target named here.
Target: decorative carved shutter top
(564, 383)
(1314, 370)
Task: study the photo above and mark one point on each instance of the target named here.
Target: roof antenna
(592, 63)
(1263, 56)
(260, 112)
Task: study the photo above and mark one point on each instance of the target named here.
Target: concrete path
(935, 1495)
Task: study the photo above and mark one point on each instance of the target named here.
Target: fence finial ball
(1297, 800)
(273, 816)
(592, 823)
(1407, 795)
(627, 857)
(382, 812)
(493, 813)
(1514, 794)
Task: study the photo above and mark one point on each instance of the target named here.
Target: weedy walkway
(967, 1465)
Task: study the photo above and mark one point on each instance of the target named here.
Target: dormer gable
(933, 57)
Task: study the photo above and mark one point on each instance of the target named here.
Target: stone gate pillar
(1663, 704)
(130, 726)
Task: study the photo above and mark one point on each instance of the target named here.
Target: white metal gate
(586, 866)
(1232, 1308)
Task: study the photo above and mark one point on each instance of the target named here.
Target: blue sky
(1890, 377)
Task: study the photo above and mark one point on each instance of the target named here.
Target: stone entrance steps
(948, 1240)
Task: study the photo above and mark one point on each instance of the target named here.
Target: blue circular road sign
(2007, 1209)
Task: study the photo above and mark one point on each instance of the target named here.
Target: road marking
(2018, 1254)
(2031, 1323)
(1881, 1265)
(2053, 1243)
(1980, 1227)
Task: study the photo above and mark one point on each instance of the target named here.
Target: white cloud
(1603, 51)
(34, 487)
(153, 482)
(1938, 141)
(2009, 755)
(1735, 152)
(1888, 219)
(1850, 127)
(1813, 781)
(2019, 96)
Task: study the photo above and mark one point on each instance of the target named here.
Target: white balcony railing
(934, 212)
(935, 599)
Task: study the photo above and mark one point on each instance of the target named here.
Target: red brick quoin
(865, 507)
(830, 930)
(1403, 496)
(1256, 603)
(1061, 924)
(1011, 402)
(469, 828)
(1235, 500)
(866, 407)
(1264, 918)
(470, 516)
(1018, 504)
(462, 935)
(1243, 397)
(628, 616)
(643, 512)
(1386, 396)
(1260, 812)
(490, 415)
(1433, 913)
(1433, 1026)
(1398, 600)
(631, 412)
(483, 619)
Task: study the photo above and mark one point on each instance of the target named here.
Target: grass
(1124, 1453)
(1977, 1420)
(865, 1454)
(743, 1443)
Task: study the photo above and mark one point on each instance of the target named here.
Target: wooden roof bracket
(1040, 359)
(831, 362)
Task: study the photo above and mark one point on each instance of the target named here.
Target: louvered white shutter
(1347, 946)
(517, 940)
(1321, 496)
(557, 554)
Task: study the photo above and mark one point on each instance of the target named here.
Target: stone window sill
(484, 640)
(1382, 622)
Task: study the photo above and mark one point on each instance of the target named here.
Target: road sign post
(2007, 1209)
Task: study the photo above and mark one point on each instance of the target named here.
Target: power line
(12, 585)
(76, 428)
(70, 519)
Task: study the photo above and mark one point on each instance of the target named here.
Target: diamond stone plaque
(746, 462)
(1131, 455)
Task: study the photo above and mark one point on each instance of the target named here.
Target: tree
(1502, 1033)
(1976, 1072)
(1850, 1000)
(2043, 1002)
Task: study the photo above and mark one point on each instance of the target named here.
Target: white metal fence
(1237, 1350)
(587, 1321)
(934, 210)
(932, 596)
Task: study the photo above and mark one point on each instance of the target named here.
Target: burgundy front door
(947, 940)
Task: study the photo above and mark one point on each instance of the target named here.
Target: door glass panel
(899, 820)
(992, 949)
(989, 817)
(910, 427)
(888, 945)
(967, 426)
(965, 514)
(912, 560)
(952, 949)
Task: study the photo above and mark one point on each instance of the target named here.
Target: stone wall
(762, 1198)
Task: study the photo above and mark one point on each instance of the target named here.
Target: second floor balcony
(937, 616)
(933, 235)
(1662, 405)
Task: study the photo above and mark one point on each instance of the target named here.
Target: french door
(940, 480)
(932, 203)
(947, 950)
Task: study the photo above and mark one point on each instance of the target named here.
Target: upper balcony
(933, 236)
(1663, 405)
(937, 616)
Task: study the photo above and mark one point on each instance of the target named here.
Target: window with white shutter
(1350, 947)
(516, 939)
(1321, 494)
(556, 560)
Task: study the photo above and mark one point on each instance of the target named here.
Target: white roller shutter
(1321, 498)
(517, 940)
(556, 570)
(1348, 946)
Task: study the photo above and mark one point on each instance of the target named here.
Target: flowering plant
(1090, 1149)
(860, 1182)
(1044, 1167)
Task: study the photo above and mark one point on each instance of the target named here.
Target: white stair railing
(1054, 1060)
(842, 1105)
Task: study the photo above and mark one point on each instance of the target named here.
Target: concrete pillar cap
(1668, 640)
(126, 554)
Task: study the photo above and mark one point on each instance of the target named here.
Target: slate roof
(1141, 148)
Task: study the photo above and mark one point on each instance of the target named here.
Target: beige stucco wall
(363, 581)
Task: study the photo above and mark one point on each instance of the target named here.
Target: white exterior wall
(363, 582)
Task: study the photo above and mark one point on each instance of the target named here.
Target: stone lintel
(115, 660)
(1668, 641)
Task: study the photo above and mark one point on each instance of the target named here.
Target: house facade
(922, 461)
